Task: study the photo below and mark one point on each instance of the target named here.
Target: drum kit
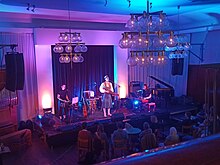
(91, 101)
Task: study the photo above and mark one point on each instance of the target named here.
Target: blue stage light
(136, 102)
(39, 117)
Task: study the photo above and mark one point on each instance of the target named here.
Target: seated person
(146, 92)
(120, 134)
(187, 121)
(85, 137)
(155, 126)
(172, 138)
(100, 141)
(202, 129)
(146, 130)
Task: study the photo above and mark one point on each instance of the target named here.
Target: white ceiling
(97, 14)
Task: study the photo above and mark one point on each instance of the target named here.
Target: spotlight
(39, 117)
(136, 102)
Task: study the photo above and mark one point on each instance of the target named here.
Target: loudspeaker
(117, 117)
(20, 71)
(14, 71)
(177, 66)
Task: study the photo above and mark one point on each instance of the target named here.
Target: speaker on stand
(177, 66)
(14, 71)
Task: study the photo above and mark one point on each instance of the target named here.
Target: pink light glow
(46, 100)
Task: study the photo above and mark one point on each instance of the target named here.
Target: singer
(106, 88)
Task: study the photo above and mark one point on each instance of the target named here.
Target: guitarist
(106, 88)
(63, 102)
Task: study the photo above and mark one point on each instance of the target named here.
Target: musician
(63, 102)
(146, 92)
(106, 88)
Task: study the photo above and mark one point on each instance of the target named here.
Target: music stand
(75, 100)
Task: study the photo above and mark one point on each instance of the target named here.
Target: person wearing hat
(106, 88)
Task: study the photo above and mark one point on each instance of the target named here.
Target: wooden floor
(40, 154)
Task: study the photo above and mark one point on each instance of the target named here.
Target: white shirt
(107, 85)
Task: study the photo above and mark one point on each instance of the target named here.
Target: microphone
(115, 83)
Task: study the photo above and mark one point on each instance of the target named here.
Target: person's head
(146, 126)
(120, 125)
(145, 87)
(84, 125)
(153, 119)
(63, 87)
(188, 114)
(106, 78)
(100, 128)
(173, 131)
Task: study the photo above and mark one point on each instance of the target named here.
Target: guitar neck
(112, 93)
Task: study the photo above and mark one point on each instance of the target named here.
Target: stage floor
(77, 115)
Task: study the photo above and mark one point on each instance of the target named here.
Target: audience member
(132, 137)
(22, 125)
(202, 114)
(85, 145)
(146, 130)
(155, 126)
(187, 121)
(29, 125)
(202, 129)
(100, 141)
(172, 138)
(120, 134)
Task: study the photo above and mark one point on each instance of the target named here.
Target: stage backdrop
(98, 61)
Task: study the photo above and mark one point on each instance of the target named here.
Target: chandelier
(180, 50)
(70, 46)
(150, 37)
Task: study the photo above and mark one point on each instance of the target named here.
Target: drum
(92, 105)
(86, 94)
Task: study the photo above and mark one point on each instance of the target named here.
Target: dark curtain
(98, 61)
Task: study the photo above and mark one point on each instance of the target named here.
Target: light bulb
(66, 59)
(84, 48)
(61, 59)
(77, 48)
(68, 48)
(81, 59)
(65, 38)
(75, 58)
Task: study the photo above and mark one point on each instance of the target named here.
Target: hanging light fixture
(148, 38)
(70, 46)
(180, 49)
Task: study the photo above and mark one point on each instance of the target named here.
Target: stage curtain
(27, 98)
(79, 77)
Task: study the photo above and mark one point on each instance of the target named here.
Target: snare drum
(86, 94)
